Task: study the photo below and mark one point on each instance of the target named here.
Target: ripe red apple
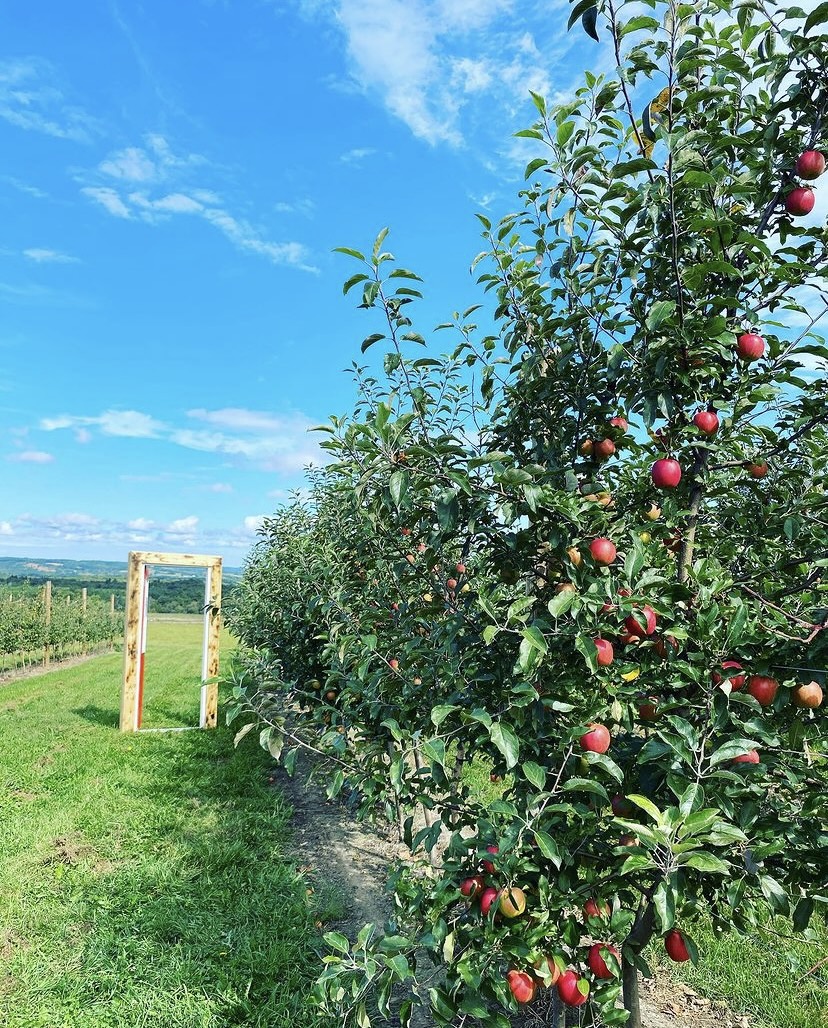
(751, 757)
(421, 547)
(603, 550)
(603, 449)
(635, 627)
(706, 421)
(619, 422)
(573, 989)
(487, 865)
(393, 663)
(800, 201)
(596, 740)
(522, 985)
(596, 961)
(807, 694)
(668, 646)
(621, 806)
(511, 902)
(675, 946)
(451, 584)
(605, 652)
(810, 165)
(750, 346)
(487, 898)
(552, 966)
(472, 887)
(596, 908)
(666, 473)
(648, 708)
(406, 531)
(763, 689)
(460, 568)
(729, 666)
(628, 840)
(758, 470)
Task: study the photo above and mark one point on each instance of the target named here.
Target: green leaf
(535, 774)
(435, 750)
(398, 487)
(533, 166)
(349, 253)
(506, 741)
(370, 340)
(337, 941)
(535, 637)
(664, 900)
(705, 862)
(577, 12)
(242, 732)
(548, 847)
(589, 20)
(805, 907)
(586, 785)
(660, 311)
(399, 965)
(441, 712)
(561, 602)
(647, 805)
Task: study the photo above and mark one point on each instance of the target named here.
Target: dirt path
(353, 859)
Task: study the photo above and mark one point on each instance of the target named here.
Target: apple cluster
(809, 166)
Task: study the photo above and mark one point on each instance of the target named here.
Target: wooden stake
(47, 606)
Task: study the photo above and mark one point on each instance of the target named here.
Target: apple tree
(563, 590)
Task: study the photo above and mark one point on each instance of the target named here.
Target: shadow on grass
(98, 715)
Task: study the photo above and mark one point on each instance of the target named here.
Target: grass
(145, 880)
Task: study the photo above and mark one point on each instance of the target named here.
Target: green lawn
(144, 880)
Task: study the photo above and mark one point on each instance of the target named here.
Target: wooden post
(132, 642)
(212, 630)
(47, 616)
(84, 598)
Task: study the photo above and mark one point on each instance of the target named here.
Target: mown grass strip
(144, 880)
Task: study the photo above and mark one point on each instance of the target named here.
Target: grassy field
(145, 881)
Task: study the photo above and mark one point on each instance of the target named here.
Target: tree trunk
(629, 975)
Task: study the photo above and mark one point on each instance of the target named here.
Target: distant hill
(48, 567)
(172, 590)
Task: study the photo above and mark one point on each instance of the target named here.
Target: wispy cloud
(260, 439)
(31, 99)
(32, 457)
(43, 256)
(357, 155)
(6, 528)
(167, 190)
(445, 67)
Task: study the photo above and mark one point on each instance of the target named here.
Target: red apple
(648, 708)
(570, 987)
(472, 887)
(460, 568)
(596, 740)
(758, 470)
(406, 531)
(487, 898)
(619, 422)
(751, 757)
(597, 963)
(763, 689)
(522, 985)
(628, 840)
(800, 201)
(668, 646)
(603, 550)
(596, 908)
(810, 165)
(675, 945)
(552, 966)
(487, 865)
(586, 447)
(603, 449)
(706, 421)
(605, 652)
(736, 681)
(666, 473)
(393, 663)
(808, 694)
(421, 547)
(634, 626)
(451, 584)
(750, 346)
(621, 806)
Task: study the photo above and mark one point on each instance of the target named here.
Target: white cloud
(141, 524)
(219, 487)
(41, 256)
(31, 100)
(32, 457)
(269, 441)
(108, 199)
(253, 523)
(183, 525)
(157, 164)
(357, 155)
(6, 528)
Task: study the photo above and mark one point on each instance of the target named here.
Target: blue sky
(174, 178)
